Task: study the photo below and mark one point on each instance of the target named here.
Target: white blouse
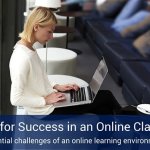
(30, 83)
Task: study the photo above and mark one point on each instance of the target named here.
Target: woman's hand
(66, 87)
(54, 97)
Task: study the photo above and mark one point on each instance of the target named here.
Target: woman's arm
(19, 71)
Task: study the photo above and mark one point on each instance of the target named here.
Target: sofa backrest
(110, 8)
(130, 8)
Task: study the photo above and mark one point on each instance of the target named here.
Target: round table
(65, 79)
(58, 60)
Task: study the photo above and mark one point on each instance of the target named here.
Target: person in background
(30, 86)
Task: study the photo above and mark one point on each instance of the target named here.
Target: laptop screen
(98, 77)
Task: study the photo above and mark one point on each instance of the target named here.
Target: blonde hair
(41, 16)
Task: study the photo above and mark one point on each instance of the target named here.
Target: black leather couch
(126, 66)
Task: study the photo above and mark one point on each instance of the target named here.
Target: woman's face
(43, 34)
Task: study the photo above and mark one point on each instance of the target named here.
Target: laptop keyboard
(80, 95)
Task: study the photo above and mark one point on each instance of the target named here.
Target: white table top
(56, 54)
(65, 79)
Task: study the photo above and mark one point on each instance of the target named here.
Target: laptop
(86, 94)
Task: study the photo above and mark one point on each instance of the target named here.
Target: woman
(30, 86)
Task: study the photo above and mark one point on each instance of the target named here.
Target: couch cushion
(137, 29)
(81, 21)
(111, 7)
(99, 29)
(129, 96)
(130, 8)
(135, 19)
(116, 52)
(135, 74)
(146, 96)
(142, 44)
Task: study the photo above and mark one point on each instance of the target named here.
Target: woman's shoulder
(22, 50)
